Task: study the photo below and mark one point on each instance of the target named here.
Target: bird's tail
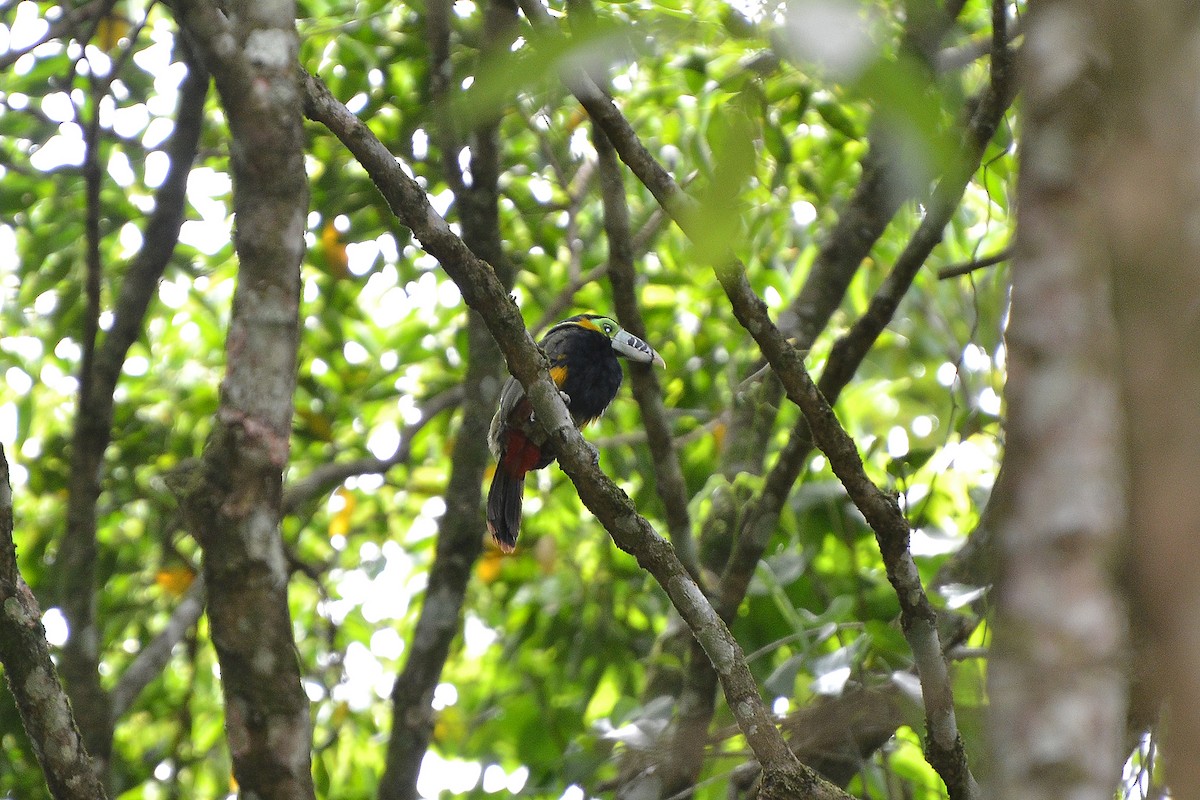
(504, 507)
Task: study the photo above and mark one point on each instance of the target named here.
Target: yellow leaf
(317, 424)
(451, 725)
(334, 252)
(659, 296)
(174, 580)
(488, 567)
(426, 480)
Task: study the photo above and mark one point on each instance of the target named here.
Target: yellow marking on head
(590, 324)
(558, 375)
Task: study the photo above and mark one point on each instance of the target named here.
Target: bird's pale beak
(629, 346)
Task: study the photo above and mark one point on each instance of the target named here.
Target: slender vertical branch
(669, 482)
(78, 550)
(460, 531)
(100, 371)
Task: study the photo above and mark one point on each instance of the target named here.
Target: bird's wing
(510, 396)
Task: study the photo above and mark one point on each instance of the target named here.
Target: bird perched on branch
(583, 353)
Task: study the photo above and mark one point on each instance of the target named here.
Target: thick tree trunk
(1057, 679)
(235, 511)
(1103, 408)
(1149, 196)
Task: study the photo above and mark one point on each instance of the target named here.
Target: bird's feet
(566, 398)
(592, 449)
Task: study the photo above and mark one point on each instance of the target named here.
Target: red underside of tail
(520, 454)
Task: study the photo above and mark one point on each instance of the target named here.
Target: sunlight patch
(56, 627)
(453, 775)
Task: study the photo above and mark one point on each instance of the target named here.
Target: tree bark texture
(1057, 673)
(235, 512)
(42, 703)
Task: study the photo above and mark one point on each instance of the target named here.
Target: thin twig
(155, 656)
(553, 310)
(967, 267)
(326, 477)
(66, 27)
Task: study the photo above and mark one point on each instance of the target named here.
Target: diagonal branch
(967, 267)
(552, 310)
(944, 747)
(784, 776)
(32, 678)
(327, 477)
(69, 25)
(850, 350)
(155, 656)
(882, 512)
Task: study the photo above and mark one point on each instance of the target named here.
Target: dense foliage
(764, 114)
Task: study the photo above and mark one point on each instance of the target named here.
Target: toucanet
(583, 353)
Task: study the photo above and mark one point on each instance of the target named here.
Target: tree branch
(849, 351)
(669, 484)
(101, 371)
(141, 279)
(32, 679)
(460, 534)
(327, 477)
(234, 510)
(90, 437)
(944, 745)
(155, 656)
(67, 26)
(967, 267)
(459, 543)
(784, 776)
(553, 310)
